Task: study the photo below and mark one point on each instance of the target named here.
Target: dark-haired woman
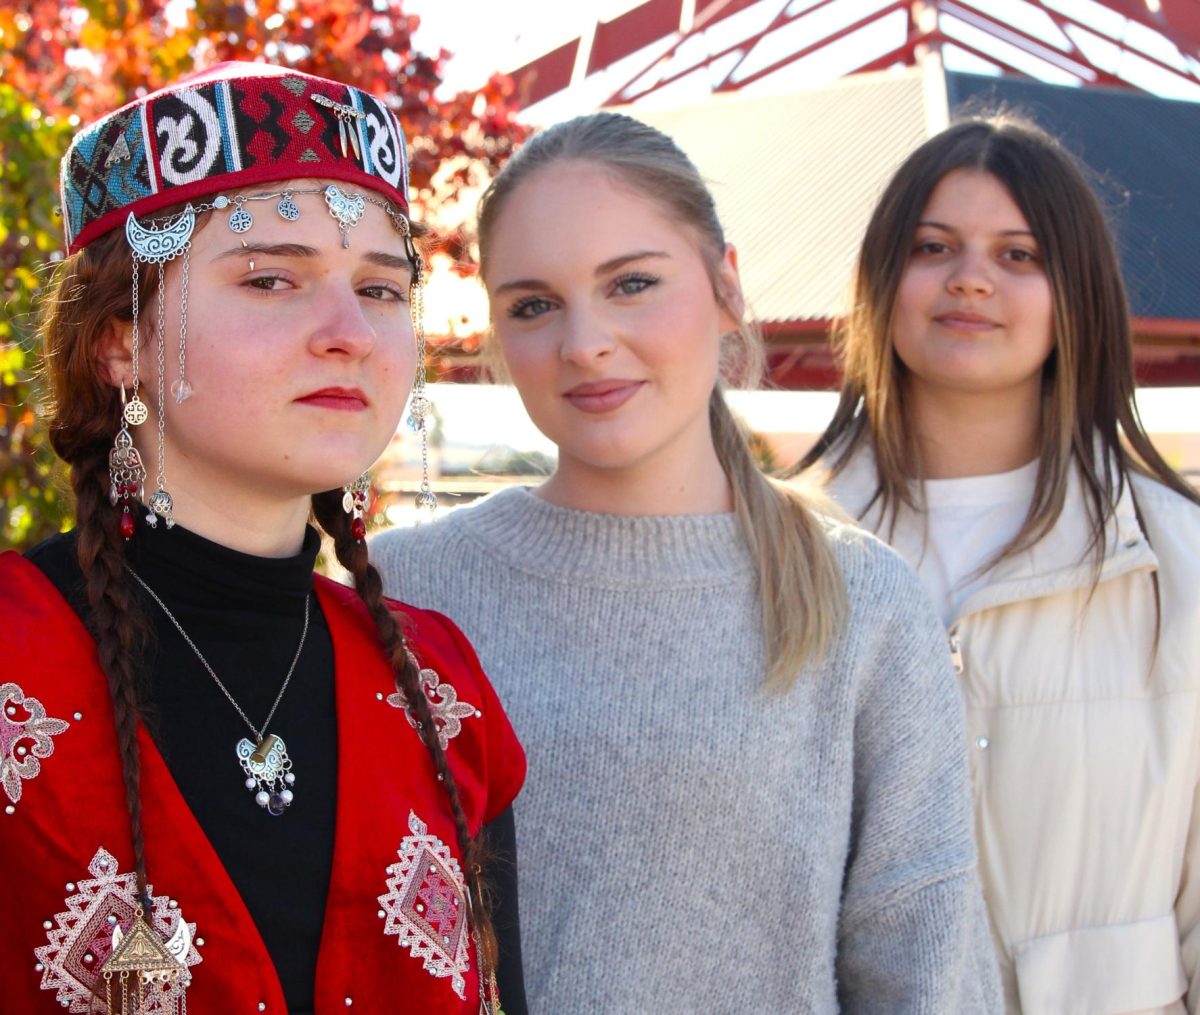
(987, 429)
(229, 785)
(748, 786)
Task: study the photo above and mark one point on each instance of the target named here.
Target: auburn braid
(117, 625)
(87, 290)
(352, 555)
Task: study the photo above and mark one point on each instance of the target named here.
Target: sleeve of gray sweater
(914, 934)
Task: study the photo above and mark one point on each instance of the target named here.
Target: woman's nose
(588, 337)
(971, 275)
(340, 325)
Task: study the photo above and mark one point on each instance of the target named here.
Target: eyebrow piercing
(252, 264)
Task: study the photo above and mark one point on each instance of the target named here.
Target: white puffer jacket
(1084, 737)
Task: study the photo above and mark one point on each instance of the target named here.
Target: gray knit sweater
(688, 841)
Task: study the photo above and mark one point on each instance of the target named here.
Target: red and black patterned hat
(236, 125)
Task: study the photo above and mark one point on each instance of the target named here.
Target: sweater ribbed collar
(624, 550)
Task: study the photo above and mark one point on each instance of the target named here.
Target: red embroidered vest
(395, 936)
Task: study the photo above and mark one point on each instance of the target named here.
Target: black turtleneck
(246, 614)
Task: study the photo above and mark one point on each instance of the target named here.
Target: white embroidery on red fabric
(425, 905)
(81, 938)
(23, 741)
(448, 711)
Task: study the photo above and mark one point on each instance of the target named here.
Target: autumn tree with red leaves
(66, 63)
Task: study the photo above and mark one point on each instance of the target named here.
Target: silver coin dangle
(240, 220)
(135, 412)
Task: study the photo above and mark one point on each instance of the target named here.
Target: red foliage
(87, 57)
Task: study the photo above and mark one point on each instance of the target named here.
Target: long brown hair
(90, 289)
(1088, 414)
(800, 584)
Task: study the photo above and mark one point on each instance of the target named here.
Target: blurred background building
(798, 111)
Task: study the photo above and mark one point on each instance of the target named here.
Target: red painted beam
(1049, 54)
(625, 35)
(1167, 327)
(746, 44)
(549, 74)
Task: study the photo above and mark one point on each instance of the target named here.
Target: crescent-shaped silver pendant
(158, 245)
(180, 942)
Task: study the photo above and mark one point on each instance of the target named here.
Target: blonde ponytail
(800, 584)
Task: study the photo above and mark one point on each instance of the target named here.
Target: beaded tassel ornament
(419, 407)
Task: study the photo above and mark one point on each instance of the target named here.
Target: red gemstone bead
(127, 525)
(358, 529)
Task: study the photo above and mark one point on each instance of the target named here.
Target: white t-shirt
(969, 521)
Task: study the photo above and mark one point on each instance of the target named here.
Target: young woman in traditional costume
(748, 789)
(987, 429)
(230, 785)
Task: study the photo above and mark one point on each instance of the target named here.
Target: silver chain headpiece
(159, 239)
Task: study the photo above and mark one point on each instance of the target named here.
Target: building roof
(656, 50)
(795, 178)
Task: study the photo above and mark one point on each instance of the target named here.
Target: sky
(503, 35)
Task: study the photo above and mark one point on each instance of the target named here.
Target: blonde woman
(747, 783)
(987, 429)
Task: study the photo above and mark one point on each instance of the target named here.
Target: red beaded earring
(354, 503)
(127, 475)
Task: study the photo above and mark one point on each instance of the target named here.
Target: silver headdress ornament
(158, 246)
(347, 117)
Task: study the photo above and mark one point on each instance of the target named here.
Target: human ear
(729, 290)
(114, 352)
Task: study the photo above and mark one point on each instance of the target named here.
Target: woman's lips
(602, 396)
(342, 399)
(966, 322)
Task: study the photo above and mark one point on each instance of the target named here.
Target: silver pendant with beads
(268, 771)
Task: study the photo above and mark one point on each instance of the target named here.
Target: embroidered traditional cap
(235, 125)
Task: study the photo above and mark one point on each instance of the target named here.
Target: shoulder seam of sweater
(899, 895)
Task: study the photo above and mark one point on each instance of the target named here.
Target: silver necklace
(265, 760)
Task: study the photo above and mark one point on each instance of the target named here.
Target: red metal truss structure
(1152, 45)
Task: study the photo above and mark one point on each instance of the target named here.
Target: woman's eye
(386, 293)
(529, 307)
(268, 283)
(1022, 256)
(631, 285)
(930, 247)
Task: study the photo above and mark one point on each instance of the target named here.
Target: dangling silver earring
(354, 502)
(134, 411)
(419, 408)
(126, 474)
